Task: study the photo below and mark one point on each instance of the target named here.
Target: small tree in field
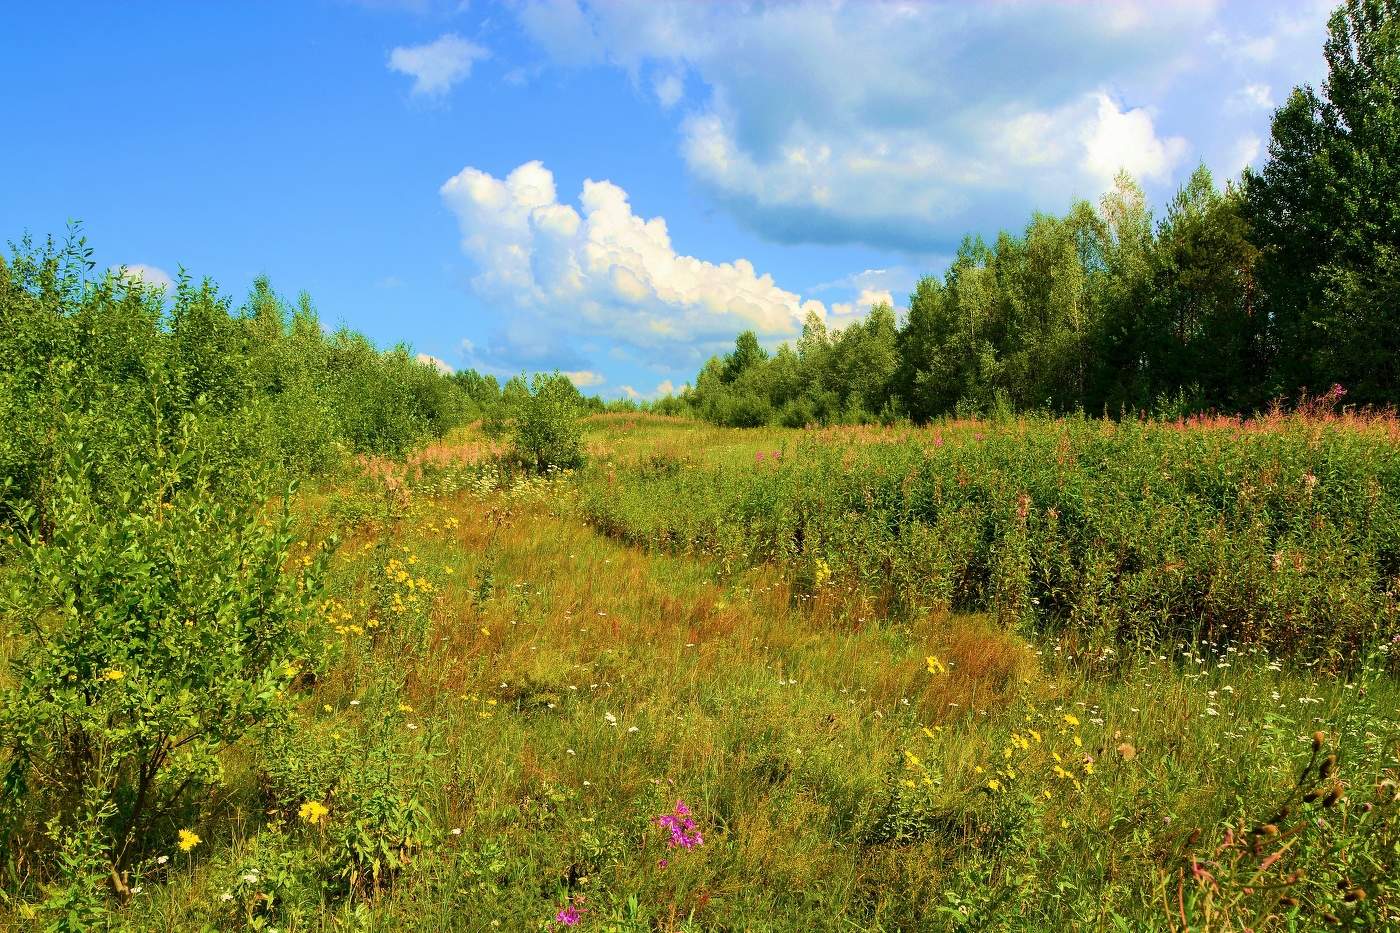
(545, 431)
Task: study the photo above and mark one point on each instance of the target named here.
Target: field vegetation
(881, 634)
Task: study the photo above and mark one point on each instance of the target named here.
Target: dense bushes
(89, 354)
(1285, 534)
(154, 609)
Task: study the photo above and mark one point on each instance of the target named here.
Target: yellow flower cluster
(188, 840)
(313, 812)
(407, 593)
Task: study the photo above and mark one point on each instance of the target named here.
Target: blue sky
(613, 189)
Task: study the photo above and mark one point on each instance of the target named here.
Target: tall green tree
(1325, 212)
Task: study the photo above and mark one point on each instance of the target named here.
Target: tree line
(1283, 284)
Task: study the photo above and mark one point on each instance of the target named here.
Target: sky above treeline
(612, 189)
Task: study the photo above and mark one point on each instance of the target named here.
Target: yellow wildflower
(313, 812)
(1071, 719)
(188, 840)
(936, 666)
(113, 674)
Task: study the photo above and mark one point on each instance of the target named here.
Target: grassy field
(1037, 675)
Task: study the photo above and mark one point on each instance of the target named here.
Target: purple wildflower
(681, 825)
(571, 914)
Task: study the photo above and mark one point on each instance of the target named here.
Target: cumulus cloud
(438, 65)
(584, 378)
(664, 388)
(896, 124)
(148, 275)
(602, 269)
(436, 363)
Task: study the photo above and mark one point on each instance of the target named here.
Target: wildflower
(188, 840)
(1071, 719)
(936, 666)
(681, 825)
(570, 914)
(313, 812)
(113, 674)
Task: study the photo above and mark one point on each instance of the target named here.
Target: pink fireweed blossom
(681, 825)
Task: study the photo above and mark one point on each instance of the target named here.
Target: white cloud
(896, 124)
(148, 275)
(1256, 95)
(664, 388)
(436, 363)
(1243, 153)
(669, 88)
(585, 378)
(1126, 140)
(843, 312)
(436, 66)
(602, 269)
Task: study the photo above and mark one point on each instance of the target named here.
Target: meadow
(1026, 674)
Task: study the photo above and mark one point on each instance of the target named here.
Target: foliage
(1280, 533)
(149, 641)
(545, 432)
(1272, 289)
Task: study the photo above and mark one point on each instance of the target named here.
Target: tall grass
(1282, 533)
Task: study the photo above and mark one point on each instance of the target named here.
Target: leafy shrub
(150, 638)
(355, 791)
(545, 431)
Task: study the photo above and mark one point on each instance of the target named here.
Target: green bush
(545, 431)
(150, 637)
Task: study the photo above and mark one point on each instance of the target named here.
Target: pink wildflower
(681, 825)
(571, 913)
